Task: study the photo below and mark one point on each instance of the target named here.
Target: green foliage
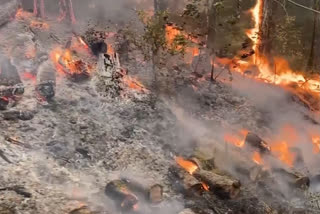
(154, 29)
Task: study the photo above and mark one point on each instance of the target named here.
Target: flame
(21, 14)
(29, 76)
(39, 24)
(280, 72)
(189, 166)
(133, 83)
(82, 42)
(110, 50)
(316, 142)
(253, 33)
(237, 139)
(281, 150)
(257, 158)
(172, 32)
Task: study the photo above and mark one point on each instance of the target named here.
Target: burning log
(11, 86)
(184, 182)
(220, 184)
(256, 142)
(223, 186)
(120, 193)
(8, 10)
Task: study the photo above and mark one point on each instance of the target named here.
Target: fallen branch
(17, 142)
(18, 189)
(304, 7)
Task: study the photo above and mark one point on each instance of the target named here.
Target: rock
(17, 115)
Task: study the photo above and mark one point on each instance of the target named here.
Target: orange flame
(171, 34)
(281, 150)
(257, 158)
(253, 33)
(21, 14)
(280, 72)
(133, 83)
(237, 139)
(189, 166)
(205, 186)
(39, 24)
(29, 76)
(316, 142)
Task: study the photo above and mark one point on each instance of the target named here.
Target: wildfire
(280, 72)
(237, 139)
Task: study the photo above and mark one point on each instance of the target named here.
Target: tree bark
(267, 27)
(314, 58)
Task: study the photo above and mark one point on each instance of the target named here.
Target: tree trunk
(267, 27)
(211, 37)
(239, 9)
(314, 58)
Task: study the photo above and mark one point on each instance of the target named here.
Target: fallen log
(292, 178)
(223, 186)
(184, 182)
(255, 142)
(120, 193)
(8, 11)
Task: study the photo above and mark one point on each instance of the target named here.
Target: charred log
(96, 41)
(17, 115)
(223, 186)
(119, 192)
(184, 182)
(255, 142)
